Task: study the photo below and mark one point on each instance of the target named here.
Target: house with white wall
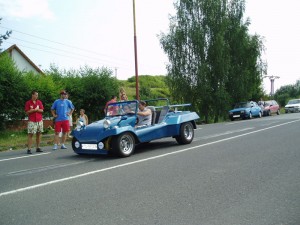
(22, 62)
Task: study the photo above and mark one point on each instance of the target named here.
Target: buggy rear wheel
(186, 135)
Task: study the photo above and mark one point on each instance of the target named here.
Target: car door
(255, 109)
(274, 107)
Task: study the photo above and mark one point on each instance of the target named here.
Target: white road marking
(21, 157)
(136, 162)
(45, 168)
(222, 134)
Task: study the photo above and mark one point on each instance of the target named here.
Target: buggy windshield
(122, 108)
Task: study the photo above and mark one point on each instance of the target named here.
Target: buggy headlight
(106, 124)
(77, 144)
(100, 145)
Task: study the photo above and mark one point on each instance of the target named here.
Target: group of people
(144, 115)
(61, 111)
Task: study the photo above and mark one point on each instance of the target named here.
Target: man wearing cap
(61, 111)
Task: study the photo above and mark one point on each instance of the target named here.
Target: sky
(73, 33)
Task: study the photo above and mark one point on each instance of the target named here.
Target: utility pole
(272, 79)
(135, 56)
(116, 72)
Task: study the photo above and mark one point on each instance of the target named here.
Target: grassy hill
(149, 87)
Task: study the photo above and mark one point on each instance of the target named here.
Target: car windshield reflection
(242, 105)
(121, 108)
(296, 101)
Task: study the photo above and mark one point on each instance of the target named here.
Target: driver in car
(144, 114)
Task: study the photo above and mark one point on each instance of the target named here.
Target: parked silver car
(292, 106)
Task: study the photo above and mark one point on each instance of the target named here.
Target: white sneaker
(63, 146)
(54, 147)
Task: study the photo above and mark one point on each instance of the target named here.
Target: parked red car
(270, 107)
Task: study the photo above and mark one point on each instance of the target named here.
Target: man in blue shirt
(61, 111)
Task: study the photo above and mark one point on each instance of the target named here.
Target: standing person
(70, 117)
(83, 117)
(122, 95)
(114, 109)
(34, 109)
(61, 111)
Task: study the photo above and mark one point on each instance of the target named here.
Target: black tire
(278, 112)
(123, 145)
(250, 116)
(186, 135)
(73, 142)
(269, 113)
(259, 115)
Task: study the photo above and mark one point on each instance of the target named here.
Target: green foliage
(287, 92)
(88, 88)
(13, 91)
(149, 87)
(4, 36)
(213, 60)
(45, 86)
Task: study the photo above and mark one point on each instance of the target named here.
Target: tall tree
(213, 59)
(13, 91)
(4, 36)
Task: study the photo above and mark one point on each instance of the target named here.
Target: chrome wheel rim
(188, 132)
(126, 144)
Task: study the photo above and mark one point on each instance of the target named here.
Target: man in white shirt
(144, 114)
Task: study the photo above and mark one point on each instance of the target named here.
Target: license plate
(235, 116)
(89, 146)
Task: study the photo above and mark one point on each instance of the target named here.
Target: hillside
(149, 87)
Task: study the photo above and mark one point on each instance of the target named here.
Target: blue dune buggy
(117, 133)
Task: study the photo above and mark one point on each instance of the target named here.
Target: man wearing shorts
(61, 109)
(34, 109)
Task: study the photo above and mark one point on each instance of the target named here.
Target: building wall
(21, 63)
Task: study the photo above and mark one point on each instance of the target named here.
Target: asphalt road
(241, 172)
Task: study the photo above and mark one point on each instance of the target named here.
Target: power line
(68, 52)
(60, 43)
(67, 56)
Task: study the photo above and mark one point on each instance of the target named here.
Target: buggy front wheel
(123, 144)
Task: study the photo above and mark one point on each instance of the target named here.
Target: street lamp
(272, 79)
(135, 56)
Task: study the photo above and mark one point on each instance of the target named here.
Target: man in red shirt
(34, 109)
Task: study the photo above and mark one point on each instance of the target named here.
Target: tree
(4, 36)
(13, 91)
(287, 92)
(213, 60)
(46, 88)
(88, 88)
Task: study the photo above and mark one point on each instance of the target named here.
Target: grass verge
(14, 140)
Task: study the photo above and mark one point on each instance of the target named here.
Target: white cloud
(25, 9)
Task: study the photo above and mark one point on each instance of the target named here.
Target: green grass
(13, 140)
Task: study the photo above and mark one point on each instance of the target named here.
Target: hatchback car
(118, 133)
(271, 107)
(292, 106)
(245, 110)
